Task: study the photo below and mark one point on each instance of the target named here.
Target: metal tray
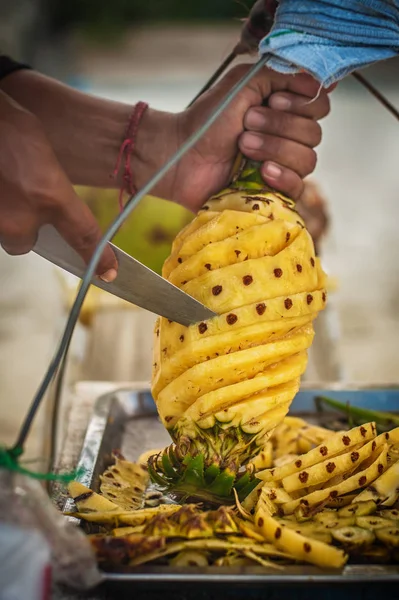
(127, 420)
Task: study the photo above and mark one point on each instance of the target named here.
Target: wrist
(156, 141)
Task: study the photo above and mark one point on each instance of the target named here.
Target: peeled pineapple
(222, 386)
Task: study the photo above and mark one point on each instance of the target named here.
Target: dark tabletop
(356, 591)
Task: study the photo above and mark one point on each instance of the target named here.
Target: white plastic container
(25, 570)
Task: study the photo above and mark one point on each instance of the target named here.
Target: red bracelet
(127, 149)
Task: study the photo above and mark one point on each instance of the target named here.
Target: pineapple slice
(222, 386)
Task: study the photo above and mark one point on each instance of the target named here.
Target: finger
(300, 105)
(282, 179)
(17, 239)
(77, 225)
(282, 124)
(287, 153)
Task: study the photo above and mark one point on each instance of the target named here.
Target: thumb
(77, 225)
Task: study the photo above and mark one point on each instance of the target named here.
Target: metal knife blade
(135, 282)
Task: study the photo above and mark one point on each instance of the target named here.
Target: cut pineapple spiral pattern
(223, 385)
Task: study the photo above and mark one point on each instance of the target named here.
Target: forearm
(86, 132)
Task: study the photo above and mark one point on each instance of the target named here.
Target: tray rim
(248, 576)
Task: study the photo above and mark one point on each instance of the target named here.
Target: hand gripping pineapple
(222, 386)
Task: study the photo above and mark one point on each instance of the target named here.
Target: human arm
(35, 190)
(86, 133)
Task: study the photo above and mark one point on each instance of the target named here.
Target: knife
(135, 282)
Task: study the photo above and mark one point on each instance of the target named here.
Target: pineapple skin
(222, 386)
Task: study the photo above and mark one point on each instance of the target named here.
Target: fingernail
(279, 102)
(109, 275)
(252, 141)
(255, 119)
(272, 170)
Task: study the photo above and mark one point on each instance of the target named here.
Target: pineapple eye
(181, 338)
(278, 272)
(231, 319)
(216, 290)
(247, 279)
(299, 268)
(330, 467)
(362, 480)
(346, 440)
(323, 451)
(288, 303)
(202, 327)
(260, 308)
(303, 477)
(307, 547)
(287, 237)
(180, 260)
(309, 298)
(312, 261)
(354, 456)
(208, 266)
(255, 207)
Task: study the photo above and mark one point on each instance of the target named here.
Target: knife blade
(135, 282)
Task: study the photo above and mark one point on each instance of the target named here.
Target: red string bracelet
(126, 151)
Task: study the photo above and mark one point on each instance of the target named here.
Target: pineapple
(222, 386)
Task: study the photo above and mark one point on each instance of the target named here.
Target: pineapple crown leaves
(190, 479)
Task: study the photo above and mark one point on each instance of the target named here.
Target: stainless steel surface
(135, 282)
(128, 420)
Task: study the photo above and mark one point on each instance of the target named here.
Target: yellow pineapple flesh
(222, 386)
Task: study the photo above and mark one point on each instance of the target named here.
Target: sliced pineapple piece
(303, 548)
(236, 340)
(213, 227)
(323, 471)
(88, 501)
(266, 239)
(389, 536)
(133, 518)
(360, 509)
(353, 538)
(337, 444)
(190, 558)
(359, 480)
(385, 490)
(264, 459)
(373, 522)
(124, 483)
(219, 372)
(231, 287)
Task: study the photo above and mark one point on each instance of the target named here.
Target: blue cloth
(331, 38)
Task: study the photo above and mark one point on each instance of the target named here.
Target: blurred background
(162, 51)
